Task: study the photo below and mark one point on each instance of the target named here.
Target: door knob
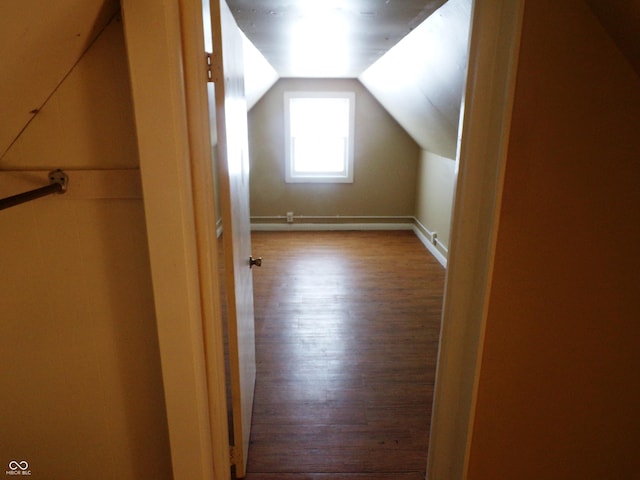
(255, 261)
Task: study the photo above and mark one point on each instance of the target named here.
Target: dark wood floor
(347, 327)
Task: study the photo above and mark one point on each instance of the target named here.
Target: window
(319, 137)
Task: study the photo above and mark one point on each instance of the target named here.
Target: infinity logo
(23, 465)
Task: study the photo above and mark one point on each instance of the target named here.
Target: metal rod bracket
(59, 177)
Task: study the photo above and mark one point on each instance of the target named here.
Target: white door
(233, 159)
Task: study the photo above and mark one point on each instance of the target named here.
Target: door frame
(482, 153)
(193, 373)
(167, 70)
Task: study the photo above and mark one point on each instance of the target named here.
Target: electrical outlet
(289, 217)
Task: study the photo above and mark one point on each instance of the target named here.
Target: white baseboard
(302, 227)
(430, 246)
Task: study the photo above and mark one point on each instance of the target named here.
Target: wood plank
(347, 327)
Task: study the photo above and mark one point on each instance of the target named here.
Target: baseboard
(301, 227)
(330, 222)
(418, 230)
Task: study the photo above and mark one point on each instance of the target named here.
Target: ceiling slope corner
(40, 42)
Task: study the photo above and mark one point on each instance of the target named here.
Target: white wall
(434, 202)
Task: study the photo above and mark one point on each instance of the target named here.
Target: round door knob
(255, 261)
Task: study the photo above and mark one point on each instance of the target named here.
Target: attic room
(111, 347)
(415, 111)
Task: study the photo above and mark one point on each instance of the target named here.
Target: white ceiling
(328, 31)
(374, 26)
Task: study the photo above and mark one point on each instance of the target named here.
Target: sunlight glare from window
(319, 43)
(319, 129)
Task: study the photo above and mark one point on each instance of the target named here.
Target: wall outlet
(289, 217)
(434, 238)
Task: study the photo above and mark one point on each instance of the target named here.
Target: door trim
(193, 375)
(482, 151)
(201, 139)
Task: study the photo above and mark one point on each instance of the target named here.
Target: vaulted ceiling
(411, 55)
(335, 38)
(356, 39)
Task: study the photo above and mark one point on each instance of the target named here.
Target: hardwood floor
(347, 327)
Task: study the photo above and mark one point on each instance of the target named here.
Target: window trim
(347, 176)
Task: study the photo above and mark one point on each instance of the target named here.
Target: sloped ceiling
(420, 81)
(369, 29)
(259, 75)
(40, 42)
(423, 96)
(410, 55)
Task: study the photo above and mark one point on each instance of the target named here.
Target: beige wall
(558, 390)
(386, 160)
(79, 361)
(436, 185)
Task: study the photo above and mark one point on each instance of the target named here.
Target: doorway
(487, 106)
(479, 162)
(387, 162)
(269, 184)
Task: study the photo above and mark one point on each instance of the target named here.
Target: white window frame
(291, 176)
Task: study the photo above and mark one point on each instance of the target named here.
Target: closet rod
(58, 184)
